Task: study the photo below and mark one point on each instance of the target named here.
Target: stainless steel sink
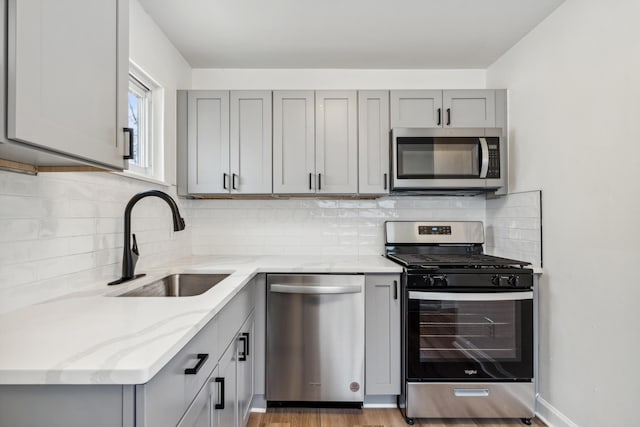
(178, 285)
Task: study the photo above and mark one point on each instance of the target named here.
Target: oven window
(424, 157)
(451, 330)
(469, 340)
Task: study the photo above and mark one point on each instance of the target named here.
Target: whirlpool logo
(471, 372)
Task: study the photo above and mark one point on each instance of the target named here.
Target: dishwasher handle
(315, 289)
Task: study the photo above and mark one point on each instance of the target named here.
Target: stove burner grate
(466, 260)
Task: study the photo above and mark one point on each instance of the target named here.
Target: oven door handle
(463, 296)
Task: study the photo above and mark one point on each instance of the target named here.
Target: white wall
(575, 111)
(337, 79)
(150, 49)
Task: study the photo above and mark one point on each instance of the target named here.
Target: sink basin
(178, 285)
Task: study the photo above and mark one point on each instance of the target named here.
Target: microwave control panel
(494, 158)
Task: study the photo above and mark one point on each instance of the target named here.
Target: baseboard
(380, 401)
(551, 416)
(259, 404)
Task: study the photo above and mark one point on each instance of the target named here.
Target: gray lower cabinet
(201, 412)
(227, 413)
(208, 383)
(162, 401)
(246, 370)
(66, 406)
(382, 334)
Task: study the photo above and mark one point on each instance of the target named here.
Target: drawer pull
(202, 358)
(220, 405)
(246, 335)
(245, 347)
(471, 392)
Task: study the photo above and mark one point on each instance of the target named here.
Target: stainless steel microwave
(469, 160)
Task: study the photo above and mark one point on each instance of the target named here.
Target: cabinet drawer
(163, 400)
(233, 316)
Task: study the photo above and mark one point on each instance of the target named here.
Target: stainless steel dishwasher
(315, 339)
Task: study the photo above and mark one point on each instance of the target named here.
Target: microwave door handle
(484, 164)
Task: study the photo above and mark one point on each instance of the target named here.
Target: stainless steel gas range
(467, 324)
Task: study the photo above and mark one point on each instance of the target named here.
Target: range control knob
(513, 280)
(495, 280)
(439, 280)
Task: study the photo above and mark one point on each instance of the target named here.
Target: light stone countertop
(90, 337)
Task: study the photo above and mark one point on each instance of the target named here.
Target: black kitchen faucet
(130, 253)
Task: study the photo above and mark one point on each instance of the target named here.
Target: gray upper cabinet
(208, 142)
(469, 108)
(373, 141)
(67, 81)
(228, 149)
(382, 334)
(293, 142)
(416, 108)
(250, 149)
(336, 142)
(448, 108)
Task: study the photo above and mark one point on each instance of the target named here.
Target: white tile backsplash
(60, 231)
(513, 227)
(310, 226)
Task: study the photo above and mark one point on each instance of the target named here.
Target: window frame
(150, 137)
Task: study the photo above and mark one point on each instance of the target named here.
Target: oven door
(459, 336)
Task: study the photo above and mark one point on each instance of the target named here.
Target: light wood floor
(303, 417)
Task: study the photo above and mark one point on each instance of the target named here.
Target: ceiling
(395, 34)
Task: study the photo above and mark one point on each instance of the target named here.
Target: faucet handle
(134, 248)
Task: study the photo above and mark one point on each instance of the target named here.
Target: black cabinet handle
(243, 354)
(448, 116)
(202, 358)
(310, 178)
(224, 181)
(246, 349)
(439, 116)
(395, 289)
(319, 181)
(385, 181)
(130, 132)
(220, 381)
(233, 181)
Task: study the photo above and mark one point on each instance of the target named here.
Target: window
(140, 121)
(145, 103)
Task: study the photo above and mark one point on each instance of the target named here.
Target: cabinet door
(246, 361)
(200, 413)
(208, 142)
(227, 415)
(293, 142)
(336, 142)
(68, 77)
(416, 108)
(382, 334)
(469, 108)
(251, 142)
(373, 141)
